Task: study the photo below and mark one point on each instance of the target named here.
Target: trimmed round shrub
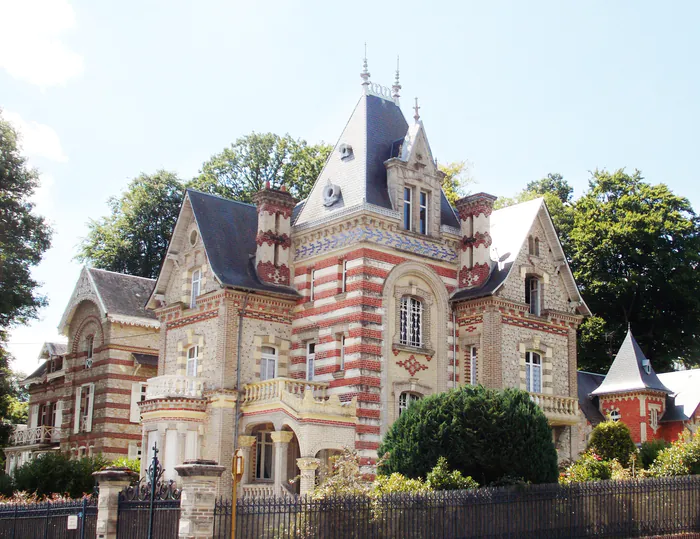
(482, 433)
(650, 450)
(612, 440)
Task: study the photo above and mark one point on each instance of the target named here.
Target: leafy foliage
(681, 458)
(483, 433)
(612, 440)
(133, 464)
(55, 472)
(441, 478)
(457, 177)
(589, 467)
(650, 450)
(343, 477)
(389, 484)
(243, 169)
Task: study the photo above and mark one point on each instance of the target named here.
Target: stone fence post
(198, 480)
(111, 482)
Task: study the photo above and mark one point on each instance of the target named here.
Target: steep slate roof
(51, 349)
(37, 374)
(686, 388)
(587, 383)
(627, 372)
(375, 130)
(123, 294)
(228, 229)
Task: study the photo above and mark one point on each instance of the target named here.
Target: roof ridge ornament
(397, 86)
(416, 116)
(365, 73)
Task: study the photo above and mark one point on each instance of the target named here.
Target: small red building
(652, 406)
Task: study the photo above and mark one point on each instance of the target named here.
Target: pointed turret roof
(630, 371)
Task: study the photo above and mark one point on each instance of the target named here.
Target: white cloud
(37, 140)
(30, 44)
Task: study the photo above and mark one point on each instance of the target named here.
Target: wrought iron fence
(602, 509)
(149, 507)
(49, 520)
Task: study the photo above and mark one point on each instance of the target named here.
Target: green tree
(457, 177)
(243, 169)
(486, 434)
(24, 237)
(57, 473)
(612, 440)
(134, 237)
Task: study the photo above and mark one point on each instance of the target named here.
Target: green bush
(55, 472)
(7, 486)
(441, 478)
(681, 458)
(133, 464)
(589, 467)
(650, 450)
(388, 484)
(483, 433)
(612, 440)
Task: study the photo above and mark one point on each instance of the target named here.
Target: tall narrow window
(407, 217)
(263, 462)
(530, 245)
(533, 372)
(423, 214)
(654, 418)
(85, 417)
(406, 399)
(268, 363)
(344, 280)
(312, 292)
(192, 360)
(411, 324)
(533, 295)
(472, 365)
(537, 247)
(89, 348)
(310, 360)
(342, 352)
(194, 290)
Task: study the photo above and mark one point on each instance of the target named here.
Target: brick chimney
(475, 218)
(274, 239)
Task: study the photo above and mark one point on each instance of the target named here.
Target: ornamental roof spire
(416, 116)
(365, 73)
(397, 86)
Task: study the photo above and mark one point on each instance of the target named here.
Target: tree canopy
(457, 177)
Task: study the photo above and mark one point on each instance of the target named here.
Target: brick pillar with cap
(475, 220)
(198, 479)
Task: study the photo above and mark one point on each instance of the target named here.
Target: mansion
(294, 329)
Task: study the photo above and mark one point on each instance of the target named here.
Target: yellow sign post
(236, 475)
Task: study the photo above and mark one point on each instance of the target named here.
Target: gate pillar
(198, 479)
(111, 482)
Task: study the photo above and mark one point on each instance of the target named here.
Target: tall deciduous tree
(243, 169)
(24, 237)
(134, 237)
(457, 177)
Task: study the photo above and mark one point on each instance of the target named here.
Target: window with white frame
(615, 415)
(310, 360)
(654, 418)
(407, 208)
(138, 394)
(533, 372)
(473, 353)
(195, 287)
(89, 348)
(342, 352)
(263, 461)
(312, 290)
(406, 399)
(344, 279)
(192, 361)
(84, 404)
(268, 363)
(423, 213)
(533, 295)
(411, 323)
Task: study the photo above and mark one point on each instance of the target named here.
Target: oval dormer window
(345, 151)
(193, 237)
(331, 194)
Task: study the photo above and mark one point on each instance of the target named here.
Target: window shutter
(76, 410)
(135, 415)
(34, 421)
(91, 406)
(59, 414)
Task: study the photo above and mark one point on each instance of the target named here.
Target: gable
(84, 290)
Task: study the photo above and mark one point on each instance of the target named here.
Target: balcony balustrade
(175, 386)
(559, 410)
(46, 435)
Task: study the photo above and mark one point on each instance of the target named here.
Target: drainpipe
(238, 372)
(454, 349)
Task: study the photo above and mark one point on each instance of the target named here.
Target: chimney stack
(475, 218)
(274, 239)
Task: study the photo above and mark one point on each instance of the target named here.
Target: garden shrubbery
(650, 450)
(681, 458)
(611, 440)
(483, 433)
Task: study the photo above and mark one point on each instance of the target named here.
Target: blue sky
(105, 90)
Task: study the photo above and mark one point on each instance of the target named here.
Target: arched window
(533, 372)
(268, 363)
(406, 399)
(196, 285)
(615, 415)
(411, 330)
(192, 360)
(89, 348)
(533, 295)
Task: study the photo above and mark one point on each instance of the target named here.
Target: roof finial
(365, 73)
(396, 87)
(416, 116)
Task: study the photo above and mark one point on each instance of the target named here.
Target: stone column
(245, 443)
(281, 439)
(198, 479)
(111, 482)
(307, 466)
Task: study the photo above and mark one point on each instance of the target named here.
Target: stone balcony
(175, 386)
(174, 395)
(301, 398)
(36, 436)
(558, 410)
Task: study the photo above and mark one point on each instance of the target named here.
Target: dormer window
(423, 213)
(533, 293)
(194, 290)
(407, 213)
(345, 151)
